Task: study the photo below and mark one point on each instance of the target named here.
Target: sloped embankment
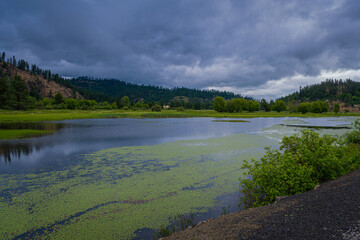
(332, 211)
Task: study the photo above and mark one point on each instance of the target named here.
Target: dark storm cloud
(225, 44)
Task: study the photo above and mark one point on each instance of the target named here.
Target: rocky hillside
(37, 84)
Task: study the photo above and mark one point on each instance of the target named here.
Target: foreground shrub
(354, 136)
(302, 162)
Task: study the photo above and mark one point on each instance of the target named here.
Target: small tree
(118, 102)
(125, 101)
(324, 106)
(219, 104)
(19, 93)
(336, 108)
(265, 105)
(279, 106)
(71, 103)
(291, 106)
(156, 108)
(4, 92)
(316, 107)
(59, 99)
(253, 106)
(304, 107)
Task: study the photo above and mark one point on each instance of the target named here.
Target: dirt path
(332, 211)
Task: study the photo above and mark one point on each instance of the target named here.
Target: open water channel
(122, 178)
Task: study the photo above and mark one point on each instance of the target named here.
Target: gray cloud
(233, 45)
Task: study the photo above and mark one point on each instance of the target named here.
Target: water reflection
(33, 125)
(10, 151)
(74, 137)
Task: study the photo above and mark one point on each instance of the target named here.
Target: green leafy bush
(156, 108)
(180, 109)
(302, 162)
(354, 136)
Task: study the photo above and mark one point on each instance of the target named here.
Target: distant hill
(103, 89)
(347, 92)
(40, 86)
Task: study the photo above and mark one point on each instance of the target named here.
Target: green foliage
(224, 211)
(304, 107)
(354, 136)
(108, 89)
(14, 94)
(324, 106)
(331, 89)
(178, 223)
(279, 106)
(265, 105)
(4, 92)
(219, 104)
(156, 108)
(118, 102)
(59, 99)
(316, 107)
(253, 106)
(336, 108)
(71, 103)
(238, 105)
(301, 163)
(291, 107)
(125, 102)
(180, 109)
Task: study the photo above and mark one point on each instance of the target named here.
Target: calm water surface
(89, 156)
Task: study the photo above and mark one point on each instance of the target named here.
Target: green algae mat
(112, 193)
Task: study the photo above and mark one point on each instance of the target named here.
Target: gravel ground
(332, 211)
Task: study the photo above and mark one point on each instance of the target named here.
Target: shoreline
(331, 211)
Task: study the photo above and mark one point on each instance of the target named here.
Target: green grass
(22, 133)
(57, 115)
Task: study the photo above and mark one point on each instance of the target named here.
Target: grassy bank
(22, 133)
(56, 115)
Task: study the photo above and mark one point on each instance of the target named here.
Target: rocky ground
(332, 211)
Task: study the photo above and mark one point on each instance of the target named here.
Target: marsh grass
(57, 115)
(6, 134)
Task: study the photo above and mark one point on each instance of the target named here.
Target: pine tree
(4, 92)
(19, 93)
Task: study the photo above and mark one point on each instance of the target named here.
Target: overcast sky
(259, 48)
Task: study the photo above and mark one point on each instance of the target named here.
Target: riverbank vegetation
(7, 116)
(302, 162)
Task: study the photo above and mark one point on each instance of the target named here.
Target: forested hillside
(105, 89)
(40, 83)
(347, 91)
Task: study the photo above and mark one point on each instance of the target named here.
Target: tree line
(240, 105)
(34, 69)
(346, 91)
(109, 89)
